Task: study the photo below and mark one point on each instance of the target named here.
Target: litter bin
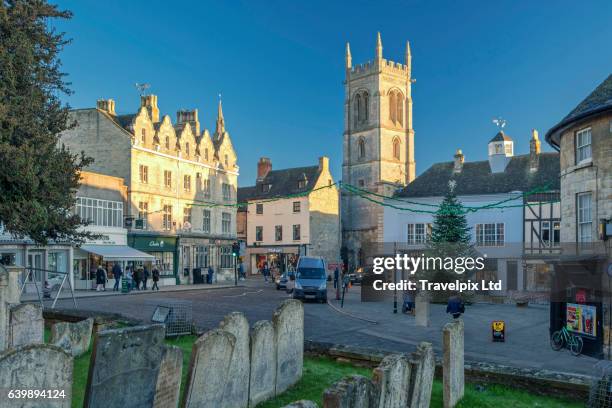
(197, 276)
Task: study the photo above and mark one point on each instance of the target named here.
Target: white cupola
(501, 150)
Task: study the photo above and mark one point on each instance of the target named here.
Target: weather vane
(500, 122)
(142, 88)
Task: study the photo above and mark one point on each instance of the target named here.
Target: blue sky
(280, 65)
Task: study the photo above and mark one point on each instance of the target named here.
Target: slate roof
(501, 137)
(282, 183)
(476, 178)
(124, 120)
(600, 100)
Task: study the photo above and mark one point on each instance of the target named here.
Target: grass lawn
(320, 373)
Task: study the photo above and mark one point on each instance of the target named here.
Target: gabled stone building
(378, 146)
(290, 212)
(181, 182)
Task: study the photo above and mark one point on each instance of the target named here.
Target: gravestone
(26, 324)
(452, 366)
(237, 388)
(355, 391)
(302, 404)
(36, 367)
(4, 308)
(209, 369)
(73, 337)
(288, 321)
(263, 362)
(421, 305)
(392, 381)
(169, 378)
(422, 367)
(129, 368)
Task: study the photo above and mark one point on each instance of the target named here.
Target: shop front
(164, 250)
(278, 259)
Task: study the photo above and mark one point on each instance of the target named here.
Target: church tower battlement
(378, 142)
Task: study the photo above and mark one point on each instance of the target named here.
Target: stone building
(280, 228)
(181, 182)
(378, 147)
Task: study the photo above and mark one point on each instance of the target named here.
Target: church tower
(378, 146)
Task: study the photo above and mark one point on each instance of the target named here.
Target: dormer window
(302, 183)
(266, 188)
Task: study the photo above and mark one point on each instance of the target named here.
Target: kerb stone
(288, 321)
(263, 362)
(453, 374)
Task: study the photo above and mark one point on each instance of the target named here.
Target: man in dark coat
(137, 277)
(145, 277)
(209, 279)
(455, 306)
(100, 278)
(117, 272)
(155, 278)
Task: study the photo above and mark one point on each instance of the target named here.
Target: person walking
(210, 273)
(117, 275)
(336, 277)
(130, 277)
(455, 306)
(241, 271)
(137, 277)
(155, 278)
(145, 277)
(266, 272)
(100, 276)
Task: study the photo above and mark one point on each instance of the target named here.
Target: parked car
(355, 278)
(282, 280)
(311, 279)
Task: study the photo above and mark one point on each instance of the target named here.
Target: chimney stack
(107, 105)
(458, 166)
(264, 166)
(323, 163)
(534, 151)
(150, 102)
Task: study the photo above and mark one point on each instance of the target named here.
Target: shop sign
(155, 244)
(581, 319)
(498, 330)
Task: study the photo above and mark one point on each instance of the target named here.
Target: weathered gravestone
(422, 368)
(26, 324)
(132, 367)
(452, 367)
(421, 306)
(355, 391)
(392, 381)
(288, 321)
(73, 337)
(237, 388)
(36, 367)
(302, 404)
(209, 370)
(263, 362)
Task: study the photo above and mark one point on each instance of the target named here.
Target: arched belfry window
(396, 148)
(396, 107)
(361, 107)
(361, 148)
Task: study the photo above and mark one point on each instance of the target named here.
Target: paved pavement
(371, 325)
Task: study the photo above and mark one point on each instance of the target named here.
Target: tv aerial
(142, 88)
(500, 122)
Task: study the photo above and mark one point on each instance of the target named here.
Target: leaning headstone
(263, 362)
(452, 366)
(421, 306)
(288, 323)
(129, 368)
(209, 370)
(237, 388)
(36, 367)
(422, 367)
(392, 381)
(302, 404)
(355, 391)
(169, 378)
(27, 325)
(73, 337)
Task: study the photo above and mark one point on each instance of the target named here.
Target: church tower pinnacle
(347, 57)
(220, 129)
(379, 47)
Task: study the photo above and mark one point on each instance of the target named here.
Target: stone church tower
(378, 146)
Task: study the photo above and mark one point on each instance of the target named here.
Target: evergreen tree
(38, 176)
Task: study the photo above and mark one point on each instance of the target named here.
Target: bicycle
(564, 337)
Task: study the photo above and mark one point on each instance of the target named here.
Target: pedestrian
(336, 277)
(137, 277)
(266, 272)
(455, 306)
(155, 278)
(130, 277)
(100, 276)
(408, 305)
(241, 271)
(117, 275)
(145, 277)
(210, 273)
